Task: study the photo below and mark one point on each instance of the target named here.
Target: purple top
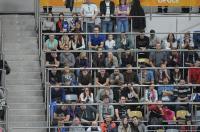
(123, 8)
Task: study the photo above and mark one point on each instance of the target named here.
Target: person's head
(158, 46)
(125, 120)
(177, 70)
(64, 107)
(122, 2)
(123, 35)
(82, 55)
(61, 16)
(110, 37)
(142, 34)
(151, 87)
(66, 69)
(88, 1)
(171, 37)
(106, 99)
(66, 47)
(108, 118)
(78, 24)
(135, 121)
(65, 38)
(51, 37)
(110, 54)
(129, 68)
(102, 71)
(83, 107)
(87, 91)
(76, 121)
(152, 33)
(116, 71)
(197, 63)
(122, 99)
(57, 86)
(96, 29)
(187, 35)
(165, 80)
(85, 72)
(182, 82)
(50, 16)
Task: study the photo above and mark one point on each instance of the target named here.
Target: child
(110, 43)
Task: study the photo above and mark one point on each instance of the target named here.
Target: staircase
(25, 93)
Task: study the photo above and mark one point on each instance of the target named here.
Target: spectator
(57, 93)
(78, 42)
(106, 109)
(52, 60)
(54, 75)
(89, 12)
(107, 91)
(96, 40)
(145, 76)
(171, 42)
(99, 58)
(176, 75)
(88, 114)
(110, 43)
(130, 77)
(111, 60)
(77, 28)
(61, 115)
(124, 42)
(153, 39)
(162, 73)
(82, 60)
(108, 125)
(127, 58)
(151, 94)
(87, 96)
(68, 77)
(59, 24)
(94, 127)
(190, 57)
(64, 41)
(69, 4)
(174, 58)
(116, 78)
(102, 78)
(85, 78)
(142, 43)
(107, 10)
(124, 125)
(73, 110)
(76, 126)
(48, 25)
(51, 43)
(138, 23)
(158, 57)
(137, 125)
(187, 42)
(121, 109)
(122, 21)
(194, 74)
(165, 93)
(67, 58)
(73, 20)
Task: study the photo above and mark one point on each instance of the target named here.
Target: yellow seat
(160, 130)
(137, 114)
(181, 114)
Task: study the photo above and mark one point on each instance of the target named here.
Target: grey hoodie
(67, 59)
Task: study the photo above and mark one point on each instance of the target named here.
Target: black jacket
(103, 8)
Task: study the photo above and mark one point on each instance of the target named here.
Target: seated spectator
(124, 125)
(153, 39)
(68, 77)
(123, 42)
(121, 109)
(48, 25)
(52, 60)
(82, 60)
(171, 42)
(137, 125)
(156, 58)
(61, 115)
(73, 110)
(77, 28)
(78, 42)
(187, 42)
(76, 126)
(142, 43)
(111, 61)
(99, 58)
(94, 127)
(108, 125)
(165, 93)
(110, 43)
(57, 93)
(107, 11)
(190, 57)
(96, 40)
(87, 96)
(51, 43)
(88, 12)
(116, 78)
(145, 76)
(88, 114)
(59, 24)
(131, 93)
(107, 91)
(106, 109)
(54, 75)
(176, 75)
(64, 41)
(127, 58)
(151, 94)
(67, 58)
(73, 20)
(85, 77)
(130, 76)
(102, 78)
(194, 74)
(174, 58)
(122, 11)
(162, 73)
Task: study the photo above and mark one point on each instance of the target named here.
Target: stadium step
(25, 93)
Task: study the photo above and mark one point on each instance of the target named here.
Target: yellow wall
(143, 2)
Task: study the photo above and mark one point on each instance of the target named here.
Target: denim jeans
(89, 28)
(122, 25)
(107, 26)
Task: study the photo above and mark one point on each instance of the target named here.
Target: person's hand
(117, 77)
(93, 18)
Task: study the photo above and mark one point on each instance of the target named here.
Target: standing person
(122, 11)
(88, 12)
(138, 23)
(107, 10)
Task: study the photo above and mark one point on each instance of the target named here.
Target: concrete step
(29, 130)
(26, 52)
(19, 81)
(25, 69)
(19, 92)
(37, 105)
(25, 99)
(24, 64)
(23, 75)
(23, 40)
(20, 47)
(22, 57)
(28, 124)
(28, 118)
(24, 87)
(26, 112)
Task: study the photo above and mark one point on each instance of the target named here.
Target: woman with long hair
(87, 96)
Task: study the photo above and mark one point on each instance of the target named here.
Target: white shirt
(110, 44)
(89, 10)
(107, 11)
(167, 45)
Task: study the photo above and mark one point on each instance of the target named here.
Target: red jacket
(194, 75)
(105, 127)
